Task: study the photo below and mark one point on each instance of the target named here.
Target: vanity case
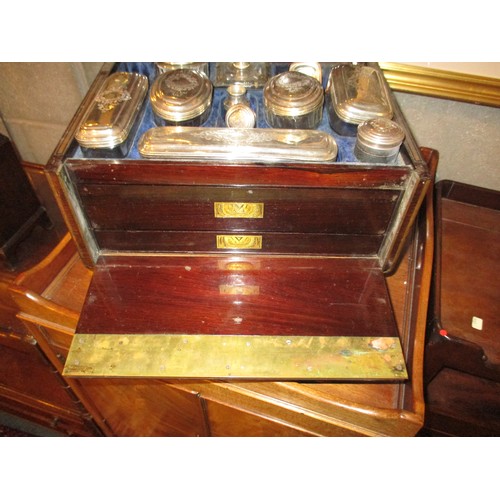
(214, 258)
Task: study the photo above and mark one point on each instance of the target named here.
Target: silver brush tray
(227, 144)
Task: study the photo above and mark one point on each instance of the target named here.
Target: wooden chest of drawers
(222, 250)
(462, 372)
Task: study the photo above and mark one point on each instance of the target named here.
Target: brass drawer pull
(231, 210)
(239, 242)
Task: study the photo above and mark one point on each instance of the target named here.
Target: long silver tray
(231, 144)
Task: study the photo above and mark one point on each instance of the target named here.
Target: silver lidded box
(378, 141)
(237, 144)
(113, 114)
(356, 93)
(293, 100)
(181, 97)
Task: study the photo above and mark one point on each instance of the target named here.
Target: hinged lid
(237, 316)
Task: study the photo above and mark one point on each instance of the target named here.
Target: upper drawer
(135, 207)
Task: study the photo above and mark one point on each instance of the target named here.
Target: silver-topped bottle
(240, 115)
(378, 141)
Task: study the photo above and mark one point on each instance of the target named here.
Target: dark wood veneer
(462, 370)
(272, 243)
(176, 208)
(289, 296)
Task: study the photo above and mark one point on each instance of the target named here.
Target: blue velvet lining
(345, 144)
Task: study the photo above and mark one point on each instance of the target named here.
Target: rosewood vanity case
(220, 253)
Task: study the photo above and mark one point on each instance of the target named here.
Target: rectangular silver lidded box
(356, 93)
(109, 124)
(238, 144)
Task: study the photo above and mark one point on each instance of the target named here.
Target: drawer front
(211, 241)
(156, 208)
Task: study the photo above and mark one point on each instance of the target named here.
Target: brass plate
(239, 289)
(237, 210)
(235, 356)
(239, 242)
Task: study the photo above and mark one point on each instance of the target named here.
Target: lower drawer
(209, 241)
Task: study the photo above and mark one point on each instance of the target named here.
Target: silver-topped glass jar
(356, 93)
(111, 121)
(293, 100)
(181, 97)
(378, 141)
(163, 67)
(311, 69)
(248, 74)
(236, 94)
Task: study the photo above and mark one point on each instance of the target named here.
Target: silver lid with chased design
(110, 117)
(181, 94)
(292, 93)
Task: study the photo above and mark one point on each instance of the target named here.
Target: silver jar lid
(380, 134)
(240, 116)
(311, 69)
(181, 94)
(358, 93)
(236, 94)
(292, 94)
(163, 67)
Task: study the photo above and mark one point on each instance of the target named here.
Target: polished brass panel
(239, 242)
(234, 210)
(235, 356)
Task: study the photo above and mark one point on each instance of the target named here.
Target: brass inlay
(238, 265)
(235, 356)
(239, 289)
(239, 242)
(233, 210)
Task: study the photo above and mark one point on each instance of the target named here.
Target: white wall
(467, 137)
